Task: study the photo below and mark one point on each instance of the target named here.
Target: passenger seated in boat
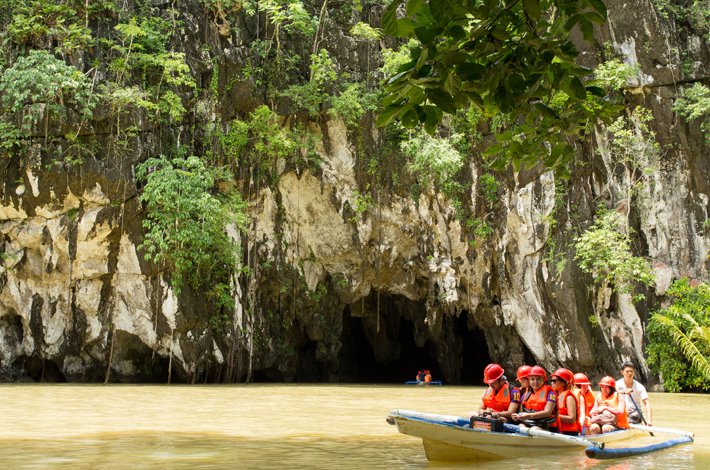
(609, 411)
(522, 379)
(567, 404)
(539, 408)
(423, 376)
(586, 400)
(500, 400)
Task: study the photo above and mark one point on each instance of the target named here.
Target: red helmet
(608, 381)
(539, 371)
(581, 379)
(492, 372)
(523, 372)
(564, 374)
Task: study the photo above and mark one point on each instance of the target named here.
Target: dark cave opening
(475, 356)
(359, 364)
(400, 356)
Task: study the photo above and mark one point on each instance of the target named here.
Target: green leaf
(572, 21)
(415, 95)
(457, 33)
(599, 7)
(425, 35)
(388, 114)
(442, 10)
(422, 58)
(587, 30)
(390, 24)
(515, 83)
(532, 8)
(574, 88)
(493, 150)
(442, 99)
(475, 98)
(595, 17)
(470, 71)
(413, 7)
(410, 119)
(406, 27)
(433, 117)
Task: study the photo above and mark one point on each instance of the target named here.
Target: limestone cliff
(342, 296)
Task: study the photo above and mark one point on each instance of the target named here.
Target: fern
(690, 350)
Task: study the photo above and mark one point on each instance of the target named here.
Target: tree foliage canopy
(505, 56)
(679, 338)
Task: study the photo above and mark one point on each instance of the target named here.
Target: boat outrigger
(448, 437)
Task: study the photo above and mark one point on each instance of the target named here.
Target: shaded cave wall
(341, 298)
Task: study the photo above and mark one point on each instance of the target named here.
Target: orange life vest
(622, 420)
(588, 405)
(536, 400)
(497, 401)
(562, 407)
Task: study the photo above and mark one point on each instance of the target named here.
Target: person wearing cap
(500, 400)
(609, 411)
(567, 404)
(586, 400)
(539, 408)
(634, 394)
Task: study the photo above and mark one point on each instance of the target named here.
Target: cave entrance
(474, 355)
(404, 358)
(395, 357)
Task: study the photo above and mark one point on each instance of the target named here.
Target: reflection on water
(268, 426)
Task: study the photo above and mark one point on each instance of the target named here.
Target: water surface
(270, 426)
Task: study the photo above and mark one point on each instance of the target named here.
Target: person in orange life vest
(500, 400)
(608, 403)
(539, 408)
(586, 402)
(567, 403)
(427, 376)
(522, 378)
(580, 403)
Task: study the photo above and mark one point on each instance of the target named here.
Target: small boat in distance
(421, 382)
(453, 438)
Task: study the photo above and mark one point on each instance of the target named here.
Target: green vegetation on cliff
(679, 338)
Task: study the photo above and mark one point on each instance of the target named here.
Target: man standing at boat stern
(635, 395)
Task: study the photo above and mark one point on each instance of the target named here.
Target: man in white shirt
(635, 396)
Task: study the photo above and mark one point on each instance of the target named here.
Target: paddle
(580, 441)
(664, 430)
(643, 420)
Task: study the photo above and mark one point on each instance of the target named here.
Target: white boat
(448, 437)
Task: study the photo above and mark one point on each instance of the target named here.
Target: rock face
(344, 296)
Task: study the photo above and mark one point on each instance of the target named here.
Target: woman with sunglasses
(609, 412)
(540, 405)
(567, 404)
